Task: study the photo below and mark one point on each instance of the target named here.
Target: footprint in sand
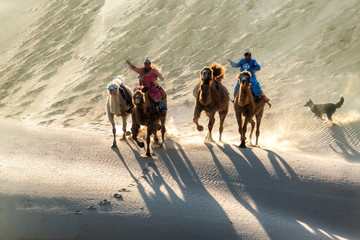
(91, 207)
(104, 202)
(118, 196)
(124, 190)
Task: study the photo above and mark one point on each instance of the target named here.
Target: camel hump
(118, 80)
(218, 71)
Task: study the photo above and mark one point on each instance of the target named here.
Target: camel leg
(196, 117)
(243, 138)
(210, 126)
(111, 120)
(156, 139)
(239, 120)
(258, 123)
(222, 116)
(252, 122)
(124, 127)
(163, 129)
(135, 130)
(150, 130)
(127, 133)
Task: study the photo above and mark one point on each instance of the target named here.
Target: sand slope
(58, 56)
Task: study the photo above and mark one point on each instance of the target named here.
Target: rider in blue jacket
(249, 64)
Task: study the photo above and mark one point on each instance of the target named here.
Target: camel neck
(205, 96)
(115, 104)
(245, 96)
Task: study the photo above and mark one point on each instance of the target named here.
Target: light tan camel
(116, 105)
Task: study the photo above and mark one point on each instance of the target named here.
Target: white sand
(197, 191)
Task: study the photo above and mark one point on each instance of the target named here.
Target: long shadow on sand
(285, 203)
(341, 134)
(282, 199)
(185, 209)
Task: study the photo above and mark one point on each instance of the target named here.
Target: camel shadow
(282, 196)
(175, 196)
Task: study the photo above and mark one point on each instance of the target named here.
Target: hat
(147, 61)
(247, 54)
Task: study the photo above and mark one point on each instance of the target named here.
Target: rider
(252, 66)
(148, 77)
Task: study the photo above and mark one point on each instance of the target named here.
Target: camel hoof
(141, 144)
(113, 146)
(146, 155)
(208, 139)
(128, 133)
(242, 145)
(200, 128)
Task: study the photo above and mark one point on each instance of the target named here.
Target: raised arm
(134, 68)
(233, 64)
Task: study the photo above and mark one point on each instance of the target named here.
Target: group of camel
(211, 97)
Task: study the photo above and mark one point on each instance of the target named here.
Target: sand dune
(55, 159)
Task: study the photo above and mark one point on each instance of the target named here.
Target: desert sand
(55, 158)
(197, 190)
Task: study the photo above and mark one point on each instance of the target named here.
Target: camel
(211, 97)
(145, 114)
(116, 105)
(246, 106)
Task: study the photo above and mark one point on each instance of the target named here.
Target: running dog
(327, 108)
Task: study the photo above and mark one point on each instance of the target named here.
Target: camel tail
(269, 105)
(218, 71)
(340, 103)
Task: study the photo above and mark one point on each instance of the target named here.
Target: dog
(327, 108)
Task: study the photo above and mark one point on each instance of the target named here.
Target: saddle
(125, 94)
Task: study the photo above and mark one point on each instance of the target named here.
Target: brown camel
(246, 106)
(145, 114)
(211, 97)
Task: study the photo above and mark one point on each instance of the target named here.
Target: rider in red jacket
(148, 77)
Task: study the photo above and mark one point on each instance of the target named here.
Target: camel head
(113, 88)
(138, 97)
(244, 78)
(206, 75)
